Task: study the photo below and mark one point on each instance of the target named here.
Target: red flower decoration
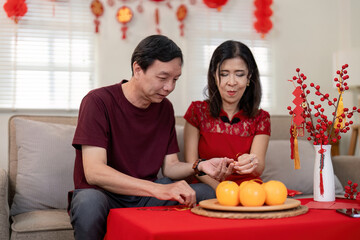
(15, 9)
(215, 3)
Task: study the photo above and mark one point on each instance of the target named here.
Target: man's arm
(98, 173)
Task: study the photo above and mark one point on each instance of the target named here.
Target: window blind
(208, 29)
(46, 60)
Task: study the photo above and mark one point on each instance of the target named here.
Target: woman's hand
(217, 168)
(246, 164)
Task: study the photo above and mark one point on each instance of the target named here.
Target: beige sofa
(41, 164)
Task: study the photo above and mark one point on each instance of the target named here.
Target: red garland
(15, 9)
(263, 13)
(215, 3)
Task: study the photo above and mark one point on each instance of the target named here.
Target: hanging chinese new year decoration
(218, 4)
(97, 9)
(157, 20)
(15, 9)
(124, 15)
(181, 14)
(157, 16)
(297, 125)
(262, 14)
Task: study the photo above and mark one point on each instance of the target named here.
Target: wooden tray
(250, 215)
(213, 204)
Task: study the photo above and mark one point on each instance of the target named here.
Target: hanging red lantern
(181, 14)
(124, 15)
(262, 14)
(15, 9)
(97, 9)
(215, 3)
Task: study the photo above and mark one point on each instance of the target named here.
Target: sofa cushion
(41, 220)
(280, 167)
(45, 165)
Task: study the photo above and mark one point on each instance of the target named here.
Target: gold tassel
(296, 147)
(296, 153)
(339, 112)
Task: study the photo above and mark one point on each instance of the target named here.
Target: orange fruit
(252, 194)
(276, 192)
(242, 184)
(227, 193)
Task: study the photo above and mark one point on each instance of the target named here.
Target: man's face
(159, 80)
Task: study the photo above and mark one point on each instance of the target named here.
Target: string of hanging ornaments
(16, 9)
(262, 14)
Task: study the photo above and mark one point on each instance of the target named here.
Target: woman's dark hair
(155, 47)
(251, 98)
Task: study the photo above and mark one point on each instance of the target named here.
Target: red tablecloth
(168, 223)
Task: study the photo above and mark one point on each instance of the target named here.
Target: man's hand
(178, 191)
(217, 168)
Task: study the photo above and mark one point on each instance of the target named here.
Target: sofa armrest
(347, 168)
(4, 205)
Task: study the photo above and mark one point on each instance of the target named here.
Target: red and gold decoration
(181, 15)
(218, 4)
(15, 9)
(124, 15)
(157, 16)
(262, 14)
(297, 125)
(97, 9)
(322, 129)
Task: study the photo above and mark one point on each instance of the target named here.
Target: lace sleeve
(263, 125)
(192, 115)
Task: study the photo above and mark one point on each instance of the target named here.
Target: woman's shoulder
(200, 105)
(262, 113)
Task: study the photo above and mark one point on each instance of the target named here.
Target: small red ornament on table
(351, 191)
(97, 9)
(124, 15)
(181, 14)
(15, 9)
(263, 13)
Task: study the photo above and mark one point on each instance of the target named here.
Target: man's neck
(131, 93)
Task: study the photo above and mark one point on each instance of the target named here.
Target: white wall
(305, 35)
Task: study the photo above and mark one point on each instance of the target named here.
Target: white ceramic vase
(328, 194)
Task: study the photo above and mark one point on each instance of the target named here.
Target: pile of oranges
(251, 193)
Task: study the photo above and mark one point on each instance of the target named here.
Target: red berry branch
(322, 129)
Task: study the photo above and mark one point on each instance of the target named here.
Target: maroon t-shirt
(136, 140)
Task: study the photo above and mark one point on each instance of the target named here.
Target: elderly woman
(229, 122)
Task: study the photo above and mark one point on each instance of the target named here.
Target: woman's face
(233, 80)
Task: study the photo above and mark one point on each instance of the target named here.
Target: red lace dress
(223, 139)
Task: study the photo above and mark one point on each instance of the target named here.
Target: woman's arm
(254, 163)
(191, 143)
